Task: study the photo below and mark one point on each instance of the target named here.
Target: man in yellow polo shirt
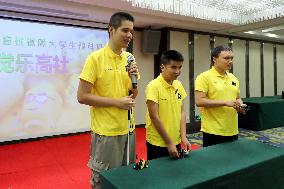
(165, 119)
(217, 93)
(104, 86)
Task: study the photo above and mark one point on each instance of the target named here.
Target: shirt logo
(179, 95)
(233, 83)
(127, 67)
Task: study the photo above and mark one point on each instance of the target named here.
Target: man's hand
(134, 93)
(242, 109)
(239, 106)
(186, 144)
(126, 102)
(173, 150)
(133, 69)
(231, 103)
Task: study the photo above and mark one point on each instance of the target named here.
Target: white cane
(128, 137)
(130, 60)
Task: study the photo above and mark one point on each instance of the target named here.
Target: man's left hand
(238, 106)
(133, 69)
(186, 144)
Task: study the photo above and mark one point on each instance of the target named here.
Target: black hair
(217, 50)
(169, 55)
(117, 18)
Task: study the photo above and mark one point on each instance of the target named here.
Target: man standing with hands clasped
(104, 86)
(165, 119)
(217, 93)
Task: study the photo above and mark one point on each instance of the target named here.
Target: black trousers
(154, 152)
(210, 139)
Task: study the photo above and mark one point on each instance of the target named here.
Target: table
(265, 113)
(235, 165)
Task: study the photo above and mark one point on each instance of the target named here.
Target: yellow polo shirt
(220, 120)
(169, 98)
(107, 72)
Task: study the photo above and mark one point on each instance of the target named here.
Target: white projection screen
(39, 68)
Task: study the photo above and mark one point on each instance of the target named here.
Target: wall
(179, 42)
(268, 69)
(254, 69)
(202, 60)
(221, 41)
(145, 64)
(280, 69)
(239, 70)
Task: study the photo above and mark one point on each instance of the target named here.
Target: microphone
(131, 60)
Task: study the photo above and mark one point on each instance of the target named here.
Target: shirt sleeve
(182, 91)
(89, 72)
(152, 93)
(201, 84)
(239, 90)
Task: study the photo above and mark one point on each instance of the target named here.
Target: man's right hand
(173, 151)
(237, 105)
(232, 103)
(126, 102)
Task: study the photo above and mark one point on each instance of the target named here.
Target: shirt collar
(216, 73)
(164, 83)
(111, 53)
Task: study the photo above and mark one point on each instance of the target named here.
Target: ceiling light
(281, 27)
(250, 32)
(271, 35)
(237, 12)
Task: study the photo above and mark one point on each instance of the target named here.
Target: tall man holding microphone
(105, 83)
